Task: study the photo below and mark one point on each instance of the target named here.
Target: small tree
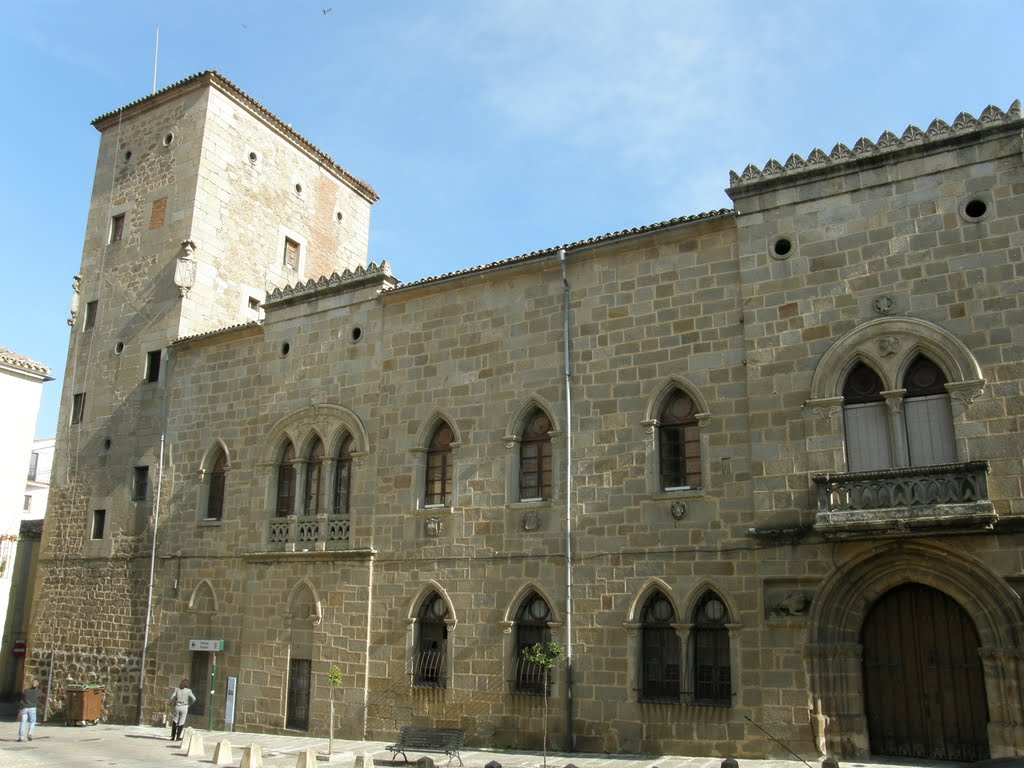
(333, 680)
(544, 656)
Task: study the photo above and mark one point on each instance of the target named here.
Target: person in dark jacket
(27, 710)
(181, 700)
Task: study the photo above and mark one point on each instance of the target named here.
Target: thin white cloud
(643, 83)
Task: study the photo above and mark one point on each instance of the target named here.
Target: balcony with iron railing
(294, 533)
(904, 501)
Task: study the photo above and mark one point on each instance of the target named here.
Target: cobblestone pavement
(111, 746)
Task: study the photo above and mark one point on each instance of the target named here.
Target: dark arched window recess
(342, 478)
(215, 493)
(286, 482)
(535, 458)
(532, 627)
(437, 490)
(709, 668)
(660, 651)
(679, 443)
(430, 661)
(314, 475)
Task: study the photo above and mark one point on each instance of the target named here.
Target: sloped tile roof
(14, 360)
(591, 241)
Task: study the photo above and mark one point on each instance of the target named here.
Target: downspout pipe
(156, 521)
(569, 703)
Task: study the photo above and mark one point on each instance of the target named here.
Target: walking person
(27, 710)
(181, 700)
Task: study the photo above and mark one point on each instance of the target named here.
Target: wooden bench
(413, 739)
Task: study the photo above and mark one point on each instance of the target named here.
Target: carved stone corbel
(825, 408)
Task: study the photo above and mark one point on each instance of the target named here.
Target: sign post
(229, 703)
(213, 692)
(209, 646)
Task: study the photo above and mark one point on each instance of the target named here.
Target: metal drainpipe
(568, 511)
(156, 522)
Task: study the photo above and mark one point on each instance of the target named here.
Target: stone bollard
(364, 760)
(186, 738)
(493, 764)
(829, 762)
(424, 762)
(252, 757)
(730, 762)
(196, 748)
(307, 759)
(222, 753)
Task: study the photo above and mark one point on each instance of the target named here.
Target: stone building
(757, 470)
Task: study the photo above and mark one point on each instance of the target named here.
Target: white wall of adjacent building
(25, 465)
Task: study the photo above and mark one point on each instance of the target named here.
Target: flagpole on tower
(156, 56)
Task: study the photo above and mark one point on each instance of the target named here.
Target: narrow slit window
(291, 254)
(99, 523)
(153, 366)
(140, 484)
(77, 407)
(116, 228)
(91, 309)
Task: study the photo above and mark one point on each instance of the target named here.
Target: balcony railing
(901, 501)
(299, 533)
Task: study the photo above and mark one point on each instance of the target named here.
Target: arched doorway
(924, 689)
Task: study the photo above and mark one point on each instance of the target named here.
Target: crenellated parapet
(347, 280)
(888, 142)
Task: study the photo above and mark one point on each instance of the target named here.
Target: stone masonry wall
(710, 305)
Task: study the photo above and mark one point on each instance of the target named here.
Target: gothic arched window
(535, 457)
(710, 668)
(912, 427)
(866, 417)
(215, 492)
(342, 478)
(679, 443)
(286, 482)
(437, 490)
(927, 415)
(429, 663)
(314, 474)
(531, 628)
(660, 651)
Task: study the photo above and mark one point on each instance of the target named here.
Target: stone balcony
(298, 534)
(905, 501)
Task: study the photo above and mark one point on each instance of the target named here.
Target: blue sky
(490, 128)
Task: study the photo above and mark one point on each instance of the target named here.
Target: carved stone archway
(833, 652)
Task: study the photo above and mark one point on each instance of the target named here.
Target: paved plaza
(112, 746)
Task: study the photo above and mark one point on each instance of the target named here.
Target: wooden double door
(924, 687)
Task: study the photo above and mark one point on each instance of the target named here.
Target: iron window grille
(679, 444)
(660, 652)
(531, 628)
(429, 663)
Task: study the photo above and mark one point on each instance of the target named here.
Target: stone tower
(203, 201)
